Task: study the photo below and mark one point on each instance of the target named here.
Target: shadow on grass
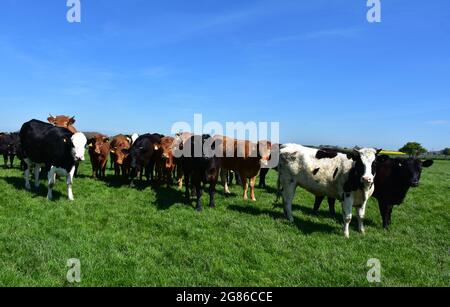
(166, 197)
(19, 184)
(304, 226)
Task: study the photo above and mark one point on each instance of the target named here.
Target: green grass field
(149, 237)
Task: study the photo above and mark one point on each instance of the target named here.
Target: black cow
(200, 166)
(10, 148)
(142, 156)
(395, 176)
(44, 144)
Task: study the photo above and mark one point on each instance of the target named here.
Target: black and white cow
(347, 177)
(44, 144)
(395, 176)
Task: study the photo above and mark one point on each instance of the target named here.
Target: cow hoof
(28, 187)
(212, 206)
(254, 199)
(347, 235)
(199, 209)
(362, 231)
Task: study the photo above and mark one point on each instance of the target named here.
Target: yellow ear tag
(65, 140)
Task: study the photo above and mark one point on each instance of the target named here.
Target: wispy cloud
(438, 122)
(327, 33)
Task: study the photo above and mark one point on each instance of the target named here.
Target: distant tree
(413, 149)
(446, 151)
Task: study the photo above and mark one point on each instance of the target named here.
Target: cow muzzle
(367, 179)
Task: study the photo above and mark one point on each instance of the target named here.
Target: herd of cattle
(351, 176)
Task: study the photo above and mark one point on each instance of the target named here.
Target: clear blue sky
(318, 67)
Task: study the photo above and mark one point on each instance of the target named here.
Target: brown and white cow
(119, 148)
(245, 158)
(99, 151)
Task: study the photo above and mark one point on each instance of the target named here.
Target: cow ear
(379, 151)
(72, 121)
(51, 119)
(382, 158)
(427, 163)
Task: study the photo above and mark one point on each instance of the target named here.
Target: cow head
(61, 120)
(120, 152)
(79, 144)
(96, 143)
(410, 170)
(365, 164)
(264, 153)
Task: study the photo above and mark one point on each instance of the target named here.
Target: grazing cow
(347, 177)
(63, 122)
(120, 146)
(142, 156)
(395, 176)
(200, 166)
(245, 159)
(98, 152)
(43, 144)
(165, 161)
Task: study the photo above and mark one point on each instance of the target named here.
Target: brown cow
(99, 152)
(119, 148)
(244, 158)
(63, 122)
(165, 161)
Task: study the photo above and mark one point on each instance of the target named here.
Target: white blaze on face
(368, 156)
(134, 137)
(79, 142)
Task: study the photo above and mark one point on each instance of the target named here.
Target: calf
(142, 156)
(44, 144)
(200, 165)
(347, 177)
(245, 159)
(120, 146)
(98, 152)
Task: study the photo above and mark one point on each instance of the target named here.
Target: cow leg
(5, 158)
(252, 187)
(288, 196)
(197, 185)
(51, 182)
(37, 170)
(245, 185)
(223, 177)
(361, 215)
(389, 214)
(331, 206)
(347, 213)
(70, 182)
(318, 201)
(383, 214)
(187, 193)
(212, 193)
(27, 174)
(11, 161)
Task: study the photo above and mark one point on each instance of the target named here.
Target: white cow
(347, 177)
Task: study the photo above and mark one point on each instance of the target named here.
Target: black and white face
(366, 164)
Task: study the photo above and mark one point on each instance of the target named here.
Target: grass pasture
(147, 236)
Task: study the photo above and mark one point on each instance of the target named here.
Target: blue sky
(317, 67)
